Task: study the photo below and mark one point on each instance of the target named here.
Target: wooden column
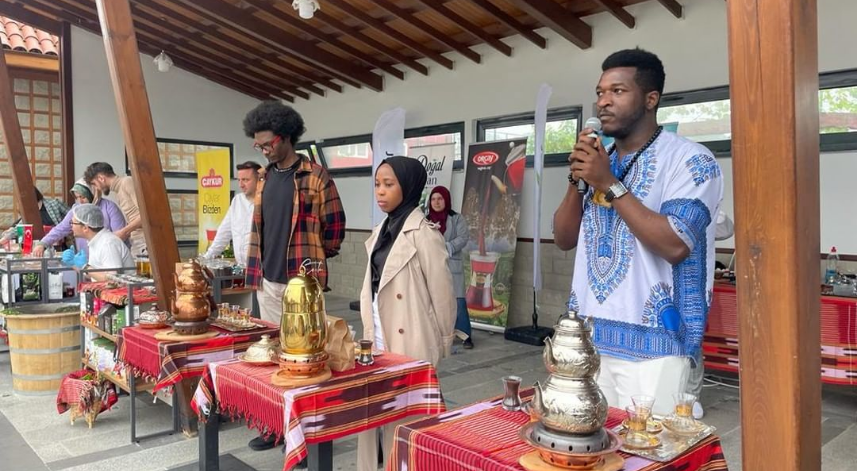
(67, 110)
(773, 66)
(22, 178)
(135, 117)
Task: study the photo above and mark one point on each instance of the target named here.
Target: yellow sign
(212, 170)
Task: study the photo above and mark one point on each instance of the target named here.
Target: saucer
(651, 442)
(669, 424)
(258, 363)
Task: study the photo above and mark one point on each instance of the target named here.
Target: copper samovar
(570, 409)
(303, 329)
(192, 305)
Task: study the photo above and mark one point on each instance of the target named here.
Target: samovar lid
(302, 290)
(571, 322)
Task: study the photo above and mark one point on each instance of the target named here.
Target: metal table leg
(320, 456)
(209, 445)
(176, 426)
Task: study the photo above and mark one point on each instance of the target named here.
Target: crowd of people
(644, 226)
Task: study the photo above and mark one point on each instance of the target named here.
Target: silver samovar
(570, 409)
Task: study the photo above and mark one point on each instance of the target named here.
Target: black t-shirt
(46, 217)
(277, 207)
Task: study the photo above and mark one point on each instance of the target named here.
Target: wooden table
(838, 319)
(180, 364)
(483, 436)
(309, 418)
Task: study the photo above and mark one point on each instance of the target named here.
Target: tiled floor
(34, 437)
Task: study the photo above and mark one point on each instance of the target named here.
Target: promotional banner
(212, 170)
(541, 115)
(492, 207)
(438, 160)
(388, 139)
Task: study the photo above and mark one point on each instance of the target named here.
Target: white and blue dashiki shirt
(643, 307)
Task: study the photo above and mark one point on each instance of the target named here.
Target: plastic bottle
(832, 267)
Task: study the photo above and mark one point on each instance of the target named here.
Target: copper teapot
(191, 307)
(192, 278)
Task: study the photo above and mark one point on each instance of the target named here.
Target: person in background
(406, 302)
(51, 210)
(83, 194)
(644, 233)
(238, 220)
(453, 226)
(298, 218)
(723, 230)
(100, 176)
(106, 250)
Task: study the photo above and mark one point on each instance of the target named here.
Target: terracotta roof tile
(21, 37)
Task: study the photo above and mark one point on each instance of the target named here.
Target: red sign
(211, 180)
(483, 159)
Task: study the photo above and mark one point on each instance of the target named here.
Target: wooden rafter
(215, 42)
(82, 19)
(367, 40)
(467, 26)
(673, 6)
(511, 22)
(330, 39)
(618, 11)
(285, 42)
(406, 16)
(557, 18)
(22, 177)
(382, 27)
(22, 12)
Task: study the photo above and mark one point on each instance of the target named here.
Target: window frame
(830, 142)
(528, 117)
(431, 130)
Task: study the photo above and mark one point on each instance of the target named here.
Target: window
(440, 134)
(703, 116)
(347, 152)
(563, 126)
(837, 106)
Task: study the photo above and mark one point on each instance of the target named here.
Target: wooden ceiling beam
(274, 55)
(20, 12)
(406, 16)
(308, 28)
(269, 86)
(618, 11)
(557, 18)
(467, 26)
(81, 19)
(280, 40)
(382, 27)
(511, 22)
(673, 6)
(367, 40)
(216, 43)
(22, 177)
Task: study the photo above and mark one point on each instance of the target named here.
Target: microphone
(594, 124)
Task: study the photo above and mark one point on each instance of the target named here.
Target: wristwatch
(616, 190)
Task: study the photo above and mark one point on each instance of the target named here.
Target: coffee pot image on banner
(492, 207)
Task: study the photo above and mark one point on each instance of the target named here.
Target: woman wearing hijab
(113, 218)
(406, 303)
(453, 226)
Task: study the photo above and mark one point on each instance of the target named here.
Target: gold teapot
(303, 327)
(570, 400)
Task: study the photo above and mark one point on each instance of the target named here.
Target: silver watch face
(616, 190)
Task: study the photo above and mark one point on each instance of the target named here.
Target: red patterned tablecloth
(74, 391)
(366, 397)
(171, 362)
(484, 436)
(117, 295)
(838, 319)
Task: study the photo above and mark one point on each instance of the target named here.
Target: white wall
(184, 106)
(694, 52)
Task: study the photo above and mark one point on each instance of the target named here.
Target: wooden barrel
(43, 348)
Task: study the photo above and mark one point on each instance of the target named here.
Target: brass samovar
(193, 303)
(303, 331)
(570, 410)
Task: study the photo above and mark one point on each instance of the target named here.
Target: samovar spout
(538, 404)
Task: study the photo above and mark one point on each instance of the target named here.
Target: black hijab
(412, 179)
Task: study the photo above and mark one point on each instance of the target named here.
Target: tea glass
(511, 399)
(364, 356)
(638, 418)
(682, 419)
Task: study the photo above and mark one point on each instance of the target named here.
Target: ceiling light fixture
(306, 8)
(163, 61)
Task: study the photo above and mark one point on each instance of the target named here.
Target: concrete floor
(34, 437)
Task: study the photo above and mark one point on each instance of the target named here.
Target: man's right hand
(39, 251)
(586, 144)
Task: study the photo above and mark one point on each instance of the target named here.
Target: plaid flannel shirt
(318, 225)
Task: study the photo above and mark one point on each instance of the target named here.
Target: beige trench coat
(416, 302)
